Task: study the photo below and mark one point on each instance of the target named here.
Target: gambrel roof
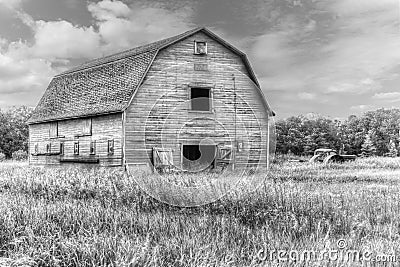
(106, 85)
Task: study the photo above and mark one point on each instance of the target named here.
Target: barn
(190, 102)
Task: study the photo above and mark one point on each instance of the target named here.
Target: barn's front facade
(187, 101)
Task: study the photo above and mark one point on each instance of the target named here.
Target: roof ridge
(126, 53)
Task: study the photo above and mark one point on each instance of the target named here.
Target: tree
(393, 152)
(309, 146)
(368, 148)
(370, 133)
(14, 131)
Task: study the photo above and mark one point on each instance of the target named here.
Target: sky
(332, 57)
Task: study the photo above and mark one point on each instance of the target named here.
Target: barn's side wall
(160, 114)
(104, 128)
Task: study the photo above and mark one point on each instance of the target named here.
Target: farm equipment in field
(326, 155)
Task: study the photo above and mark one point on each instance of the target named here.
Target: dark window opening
(61, 148)
(36, 148)
(93, 148)
(76, 148)
(198, 156)
(200, 99)
(110, 147)
(48, 148)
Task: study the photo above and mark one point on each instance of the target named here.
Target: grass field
(74, 217)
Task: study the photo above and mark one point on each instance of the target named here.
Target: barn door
(162, 159)
(225, 156)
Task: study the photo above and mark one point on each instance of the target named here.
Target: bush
(2, 157)
(20, 155)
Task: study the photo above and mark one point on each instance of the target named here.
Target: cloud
(61, 39)
(108, 10)
(26, 67)
(306, 96)
(121, 26)
(19, 74)
(345, 49)
(362, 108)
(118, 27)
(360, 7)
(11, 4)
(388, 97)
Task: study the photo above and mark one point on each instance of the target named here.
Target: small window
(93, 148)
(76, 148)
(200, 48)
(48, 148)
(61, 148)
(36, 148)
(200, 99)
(239, 146)
(53, 130)
(87, 127)
(110, 147)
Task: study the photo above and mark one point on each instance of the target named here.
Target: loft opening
(200, 48)
(200, 99)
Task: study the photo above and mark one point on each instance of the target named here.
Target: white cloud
(11, 4)
(27, 67)
(121, 26)
(61, 39)
(361, 108)
(358, 7)
(342, 51)
(365, 45)
(388, 97)
(18, 74)
(107, 10)
(306, 96)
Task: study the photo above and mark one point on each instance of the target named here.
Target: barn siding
(104, 128)
(159, 109)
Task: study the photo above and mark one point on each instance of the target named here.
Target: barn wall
(104, 128)
(160, 114)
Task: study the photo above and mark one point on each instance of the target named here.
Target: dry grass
(74, 217)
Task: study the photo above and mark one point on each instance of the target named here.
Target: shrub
(20, 155)
(2, 157)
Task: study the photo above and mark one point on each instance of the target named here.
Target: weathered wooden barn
(184, 101)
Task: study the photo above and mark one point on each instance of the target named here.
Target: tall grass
(88, 217)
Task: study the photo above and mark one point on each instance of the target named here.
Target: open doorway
(198, 157)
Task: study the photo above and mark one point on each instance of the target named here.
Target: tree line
(372, 133)
(14, 132)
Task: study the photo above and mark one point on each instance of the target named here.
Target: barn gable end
(159, 114)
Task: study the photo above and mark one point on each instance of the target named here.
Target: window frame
(36, 149)
(62, 148)
(48, 148)
(92, 148)
(87, 122)
(56, 133)
(110, 147)
(195, 48)
(210, 99)
(76, 148)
